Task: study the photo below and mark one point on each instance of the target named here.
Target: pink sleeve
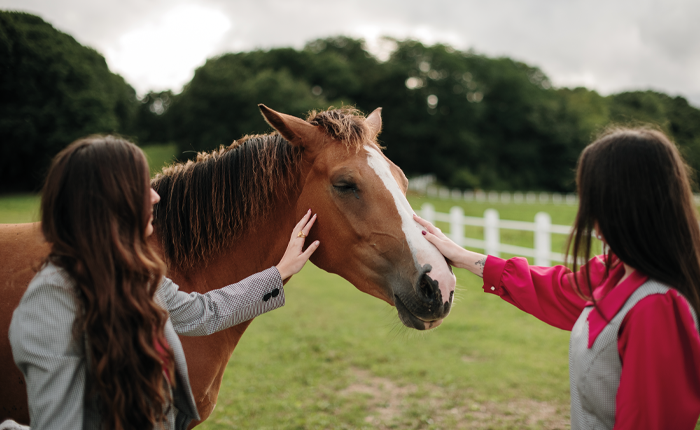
(660, 351)
(546, 293)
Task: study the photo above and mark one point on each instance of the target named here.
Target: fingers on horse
(304, 219)
(427, 224)
(310, 250)
(429, 236)
(307, 228)
(297, 228)
(421, 221)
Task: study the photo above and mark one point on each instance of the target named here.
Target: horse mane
(206, 204)
(346, 125)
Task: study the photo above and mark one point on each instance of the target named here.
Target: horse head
(365, 223)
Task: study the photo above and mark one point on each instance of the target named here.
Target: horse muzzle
(423, 308)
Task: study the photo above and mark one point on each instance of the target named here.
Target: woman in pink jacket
(635, 350)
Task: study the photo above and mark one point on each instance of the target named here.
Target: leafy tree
(673, 115)
(220, 103)
(52, 91)
(150, 124)
(474, 121)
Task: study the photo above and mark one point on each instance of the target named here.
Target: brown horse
(228, 215)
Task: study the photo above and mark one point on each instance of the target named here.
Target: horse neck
(261, 246)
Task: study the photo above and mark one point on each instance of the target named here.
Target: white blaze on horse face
(423, 251)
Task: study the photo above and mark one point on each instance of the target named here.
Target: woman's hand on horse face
(294, 258)
(455, 254)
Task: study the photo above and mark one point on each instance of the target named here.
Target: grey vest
(594, 372)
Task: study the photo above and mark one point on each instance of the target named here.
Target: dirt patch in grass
(392, 406)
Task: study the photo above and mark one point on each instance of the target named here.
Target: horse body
(364, 226)
(22, 250)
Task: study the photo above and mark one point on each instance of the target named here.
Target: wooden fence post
(456, 225)
(543, 239)
(492, 235)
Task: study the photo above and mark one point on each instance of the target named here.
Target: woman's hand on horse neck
(294, 257)
(455, 254)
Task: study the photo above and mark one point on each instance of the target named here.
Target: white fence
(492, 224)
(426, 185)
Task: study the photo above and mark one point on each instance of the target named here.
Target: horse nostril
(425, 287)
(452, 294)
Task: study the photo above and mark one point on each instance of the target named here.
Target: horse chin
(412, 321)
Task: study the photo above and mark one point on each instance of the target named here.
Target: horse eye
(347, 188)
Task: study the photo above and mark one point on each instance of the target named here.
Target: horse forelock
(209, 202)
(346, 125)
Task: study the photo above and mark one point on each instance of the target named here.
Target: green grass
(334, 357)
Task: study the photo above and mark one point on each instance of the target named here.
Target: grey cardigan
(53, 361)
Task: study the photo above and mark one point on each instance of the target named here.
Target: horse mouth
(410, 320)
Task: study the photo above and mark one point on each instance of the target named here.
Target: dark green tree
(673, 115)
(151, 125)
(474, 121)
(220, 103)
(52, 91)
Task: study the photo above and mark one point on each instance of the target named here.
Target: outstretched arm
(544, 292)
(197, 314)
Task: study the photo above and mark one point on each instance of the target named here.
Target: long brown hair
(636, 186)
(95, 208)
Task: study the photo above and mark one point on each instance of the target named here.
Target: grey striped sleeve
(44, 349)
(197, 314)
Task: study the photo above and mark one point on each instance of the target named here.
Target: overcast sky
(606, 45)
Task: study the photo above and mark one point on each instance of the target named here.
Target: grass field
(335, 358)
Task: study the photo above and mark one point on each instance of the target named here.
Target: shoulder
(660, 327)
(52, 285)
(657, 312)
(47, 311)
(54, 276)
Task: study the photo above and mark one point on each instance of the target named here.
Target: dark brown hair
(636, 186)
(95, 208)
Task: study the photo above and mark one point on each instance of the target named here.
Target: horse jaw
(426, 257)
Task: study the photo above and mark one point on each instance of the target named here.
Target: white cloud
(163, 53)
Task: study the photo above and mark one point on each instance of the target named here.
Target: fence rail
(492, 224)
(427, 185)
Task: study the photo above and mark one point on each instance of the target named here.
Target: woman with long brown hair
(95, 333)
(635, 349)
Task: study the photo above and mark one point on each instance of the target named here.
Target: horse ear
(290, 127)
(374, 121)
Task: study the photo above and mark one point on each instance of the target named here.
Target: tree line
(472, 120)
